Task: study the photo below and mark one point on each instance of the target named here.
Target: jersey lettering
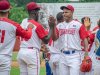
(66, 31)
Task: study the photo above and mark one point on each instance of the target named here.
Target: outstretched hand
(87, 22)
(52, 21)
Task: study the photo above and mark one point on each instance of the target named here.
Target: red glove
(86, 64)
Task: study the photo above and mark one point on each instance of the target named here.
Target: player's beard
(36, 17)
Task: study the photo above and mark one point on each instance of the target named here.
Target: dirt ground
(15, 64)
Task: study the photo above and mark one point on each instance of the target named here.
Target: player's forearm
(28, 33)
(47, 38)
(52, 24)
(23, 33)
(54, 35)
(86, 44)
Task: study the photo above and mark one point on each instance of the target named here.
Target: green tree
(17, 14)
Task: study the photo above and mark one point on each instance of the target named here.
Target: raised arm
(52, 26)
(24, 33)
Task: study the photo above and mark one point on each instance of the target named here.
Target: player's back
(7, 36)
(35, 40)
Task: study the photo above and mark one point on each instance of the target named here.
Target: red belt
(98, 58)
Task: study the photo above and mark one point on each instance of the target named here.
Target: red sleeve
(96, 28)
(41, 32)
(50, 42)
(19, 31)
(23, 33)
(83, 33)
(92, 36)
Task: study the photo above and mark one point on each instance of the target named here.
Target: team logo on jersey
(67, 31)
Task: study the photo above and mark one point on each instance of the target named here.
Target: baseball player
(46, 55)
(70, 33)
(54, 58)
(96, 59)
(8, 32)
(54, 49)
(28, 56)
(87, 23)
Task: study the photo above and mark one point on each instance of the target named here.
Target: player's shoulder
(24, 23)
(62, 24)
(37, 25)
(96, 28)
(25, 20)
(34, 22)
(77, 22)
(10, 22)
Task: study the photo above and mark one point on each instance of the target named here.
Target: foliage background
(17, 14)
(18, 11)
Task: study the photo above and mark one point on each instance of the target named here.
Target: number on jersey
(2, 35)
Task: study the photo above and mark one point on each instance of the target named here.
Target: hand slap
(52, 21)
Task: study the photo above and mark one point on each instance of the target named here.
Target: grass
(42, 71)
(16, 71)
(14, 56)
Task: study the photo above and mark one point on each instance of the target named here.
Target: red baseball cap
(70, 7)
(32, 6)
(4, 6)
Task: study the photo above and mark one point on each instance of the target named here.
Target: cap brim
(37, 8)
(62, 7)
(5, 10)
